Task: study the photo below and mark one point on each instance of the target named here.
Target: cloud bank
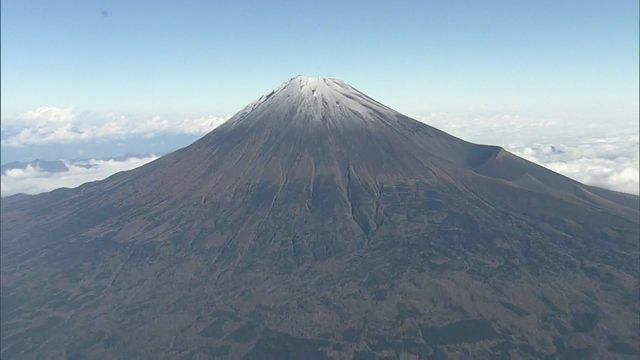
(35, 179)
(595, 153)
(606, 162)
(48, 125)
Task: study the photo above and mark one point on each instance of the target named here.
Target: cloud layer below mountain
(34, 179)
(606, 162)
(595, 153)
(48, 125)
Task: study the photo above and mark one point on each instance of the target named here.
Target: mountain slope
(317, 223)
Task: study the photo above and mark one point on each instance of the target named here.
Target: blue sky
(214, 57)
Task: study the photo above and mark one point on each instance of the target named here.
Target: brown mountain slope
(319, 223)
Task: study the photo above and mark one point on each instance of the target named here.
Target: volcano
(319, 223)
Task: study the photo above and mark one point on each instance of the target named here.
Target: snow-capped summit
(316, 99)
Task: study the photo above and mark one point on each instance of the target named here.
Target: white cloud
(48, 114)
(56, 125)
(606, 162)
(34, 180)
(602, 154)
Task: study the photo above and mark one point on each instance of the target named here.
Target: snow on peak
(317, 85)
(315, 98)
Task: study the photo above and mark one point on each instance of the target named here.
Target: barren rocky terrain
(318, 223)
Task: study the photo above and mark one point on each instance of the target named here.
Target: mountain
(319, 223)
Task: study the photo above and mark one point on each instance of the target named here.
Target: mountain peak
(305, 86)
(315, 99)
(317, 82)
(310, 79)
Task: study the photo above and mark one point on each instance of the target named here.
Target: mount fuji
(319, 223)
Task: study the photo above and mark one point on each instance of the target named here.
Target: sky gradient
(574, 57)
